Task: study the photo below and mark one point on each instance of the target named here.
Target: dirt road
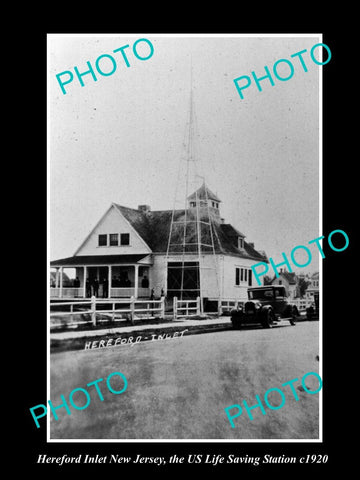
(178, 388)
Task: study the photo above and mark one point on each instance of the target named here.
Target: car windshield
(279, 292)
(261, 294)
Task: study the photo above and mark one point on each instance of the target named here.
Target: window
(243, 276)
(114, 239)
(240, 242)
(102, 240)
(192, 204)
(237, 276)
(125, 239)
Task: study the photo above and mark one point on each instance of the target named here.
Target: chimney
(144, 208)
(252, 244)
(222, 220)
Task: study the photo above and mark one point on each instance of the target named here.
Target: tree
(267, 280)
(302, 285)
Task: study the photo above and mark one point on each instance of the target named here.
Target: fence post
(132, 308)
(198, 306)
(113, 312)
(162, 312)
(71, 316)
(93, 310)
(175, 307)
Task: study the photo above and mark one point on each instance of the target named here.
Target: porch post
(109, 280)
(85, 276)
(61, 282)
(136, 290)
(57, 278)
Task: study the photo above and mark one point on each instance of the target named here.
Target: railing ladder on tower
(188, 238)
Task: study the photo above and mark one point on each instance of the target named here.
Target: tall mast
(194, 224)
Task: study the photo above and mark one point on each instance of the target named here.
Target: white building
(313, 287)
(289, 280)
(127, 254)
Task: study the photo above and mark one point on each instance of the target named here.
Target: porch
(113, 276)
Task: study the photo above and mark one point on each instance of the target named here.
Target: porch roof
(82, 260)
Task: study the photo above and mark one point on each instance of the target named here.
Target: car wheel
(236, 323)
(294, 315)
(269, 319)
(236, 319)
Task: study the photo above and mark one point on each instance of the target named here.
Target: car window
(260, 294)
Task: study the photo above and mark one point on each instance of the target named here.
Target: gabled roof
(154, 228)
(204, 193)
(290, 277)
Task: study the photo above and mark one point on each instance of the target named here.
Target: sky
(123, 138)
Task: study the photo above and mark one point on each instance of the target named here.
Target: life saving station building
(142, 253)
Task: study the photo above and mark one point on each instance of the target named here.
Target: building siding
(113, 222)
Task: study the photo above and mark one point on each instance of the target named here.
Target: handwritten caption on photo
(115, 342)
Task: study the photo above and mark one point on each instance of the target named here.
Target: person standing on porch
(105, 288)
(96, 286)
(88, 288)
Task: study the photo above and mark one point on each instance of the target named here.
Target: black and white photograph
(184, 237)
(191, 225)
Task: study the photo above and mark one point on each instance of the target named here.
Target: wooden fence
(185, 308)
(301, 303)
(94, 312)
(226, 305)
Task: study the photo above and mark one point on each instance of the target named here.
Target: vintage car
(266, 305)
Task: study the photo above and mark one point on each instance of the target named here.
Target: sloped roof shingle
(154, 228)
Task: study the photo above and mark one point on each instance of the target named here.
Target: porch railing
(117, 292)
(67, 292)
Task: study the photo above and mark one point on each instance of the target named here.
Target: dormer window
(240, 242)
